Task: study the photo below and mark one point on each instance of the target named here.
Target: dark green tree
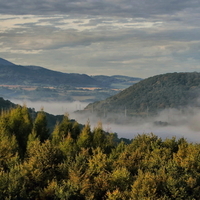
(17, 122)
(40, 126)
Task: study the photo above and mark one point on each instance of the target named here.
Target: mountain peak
(5, 62)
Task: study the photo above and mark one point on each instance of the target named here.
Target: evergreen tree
(99, 137)
(40, 126)
(84, 140)
(17, 122)
(8, 151)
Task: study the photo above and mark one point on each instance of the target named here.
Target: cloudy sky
(112, 37)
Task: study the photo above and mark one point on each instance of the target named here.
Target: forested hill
(172, 90)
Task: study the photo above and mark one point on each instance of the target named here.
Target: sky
(108, 37)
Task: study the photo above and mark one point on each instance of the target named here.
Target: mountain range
(11, 74)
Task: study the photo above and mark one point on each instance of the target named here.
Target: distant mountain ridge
(172, 90)
(11, 74)
(5, 62)
(32, 75)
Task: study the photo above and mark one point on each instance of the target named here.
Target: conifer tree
(8, 151)
(85, 138)
(99, 137)
(17, 122)
(56, 136)
(65, 126)
(40, 126)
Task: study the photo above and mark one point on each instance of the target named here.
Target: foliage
(74, 163)
(40, 126)
(17, 122)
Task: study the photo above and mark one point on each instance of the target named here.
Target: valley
(163, 104)
(56, 93)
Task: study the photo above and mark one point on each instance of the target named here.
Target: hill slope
(172, 90)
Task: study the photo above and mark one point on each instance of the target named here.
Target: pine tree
(40, 126)
(8, 151)
(17, 122)
(85, 138)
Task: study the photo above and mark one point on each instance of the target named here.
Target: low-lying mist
(168, 123)
(56, 108)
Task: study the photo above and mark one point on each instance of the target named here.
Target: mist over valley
(167, 123)
(166, 105)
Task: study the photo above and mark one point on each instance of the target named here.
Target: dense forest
(74, 162)
(172, 90)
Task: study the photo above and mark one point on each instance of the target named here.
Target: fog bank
(55, 108)
(171, 122)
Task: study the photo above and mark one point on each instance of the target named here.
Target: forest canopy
(75, 162)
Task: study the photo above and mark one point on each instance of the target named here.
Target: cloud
(137, 38)
(121, 8)
(56, 108)
(176, 123)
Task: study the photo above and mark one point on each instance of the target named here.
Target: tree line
(74, 162)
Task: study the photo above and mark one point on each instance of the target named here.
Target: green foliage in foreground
(84, 164)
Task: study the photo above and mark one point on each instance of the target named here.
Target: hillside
(172, 90)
